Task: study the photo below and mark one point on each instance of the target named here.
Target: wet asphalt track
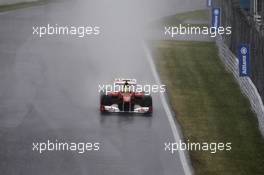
(49, 90)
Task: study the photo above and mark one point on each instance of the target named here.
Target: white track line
(185, 164)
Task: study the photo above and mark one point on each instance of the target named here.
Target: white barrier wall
(7, 2)
(246, 85)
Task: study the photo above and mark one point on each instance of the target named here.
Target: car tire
(147, 102)
(105, 100)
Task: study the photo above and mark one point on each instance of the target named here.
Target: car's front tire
(147, 102)
(105, 100)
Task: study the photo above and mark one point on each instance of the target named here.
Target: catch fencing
(245, 30)
(246, 85)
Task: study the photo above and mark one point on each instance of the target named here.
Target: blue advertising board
(216, 17)
(245, 4)
(244, 60)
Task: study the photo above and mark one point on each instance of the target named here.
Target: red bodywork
(126, 100)
(126, 96)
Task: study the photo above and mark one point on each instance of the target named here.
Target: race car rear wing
(122, 81)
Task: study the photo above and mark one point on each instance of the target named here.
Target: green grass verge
(181, 18)
(16, 6)
(193, 15)
(210, 108)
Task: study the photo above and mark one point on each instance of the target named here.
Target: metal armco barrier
(244, 30)
(246, 85)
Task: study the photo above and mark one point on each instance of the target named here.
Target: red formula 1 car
(126, 99)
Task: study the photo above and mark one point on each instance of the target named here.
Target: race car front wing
(114, 109)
